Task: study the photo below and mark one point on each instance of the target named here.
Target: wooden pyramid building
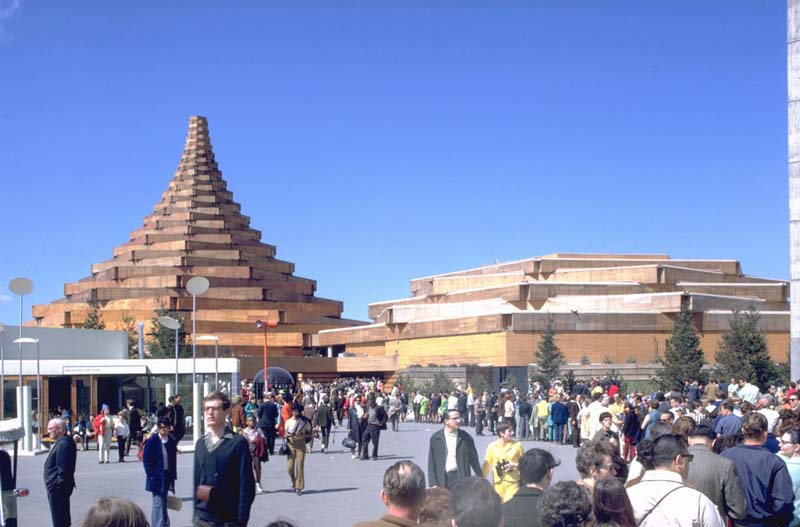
(197, 229)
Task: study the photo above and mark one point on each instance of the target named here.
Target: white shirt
(749, 393)
(452, 403)
(594, 410)
(164, 452)
(451, 440)
(685, 507)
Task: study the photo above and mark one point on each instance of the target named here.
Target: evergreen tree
(549, 357)
(129, 326)
(683, 358)
(161, 344)
(743, 351)
(94, 319)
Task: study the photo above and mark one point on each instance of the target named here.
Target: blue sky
(375, 142)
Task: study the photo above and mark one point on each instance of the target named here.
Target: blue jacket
(766, 484)
(560, 413)
(159, 480)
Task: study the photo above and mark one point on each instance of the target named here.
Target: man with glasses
(764, 477)
(223, 470)
(452, 454)
(661, 497)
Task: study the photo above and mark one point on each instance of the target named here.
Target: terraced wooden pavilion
(197, 229)
(617, 307)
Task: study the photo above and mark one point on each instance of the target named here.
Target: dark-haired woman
(502, 461)
(612, 508)
(298, 430)
(566, 504)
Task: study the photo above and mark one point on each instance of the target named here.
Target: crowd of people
(723, 453)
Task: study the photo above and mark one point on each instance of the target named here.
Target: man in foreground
(223, 470)
(764, 477)
(451, 454)
(714, 475)
(403, 493)
(536, 468)
(475, 504)
(661, 497)
(59, 472)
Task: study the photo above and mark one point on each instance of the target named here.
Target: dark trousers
(450, 479)
(59, 507)
(372, 432)
(325, 433)
(270, 434)
(121, 444)
(479, 417)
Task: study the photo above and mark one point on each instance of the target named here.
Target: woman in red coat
(286, 414)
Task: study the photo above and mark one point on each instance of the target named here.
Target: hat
(703, 431)
(297, 407)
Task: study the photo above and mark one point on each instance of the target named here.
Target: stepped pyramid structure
(616, 308)
(197, 229)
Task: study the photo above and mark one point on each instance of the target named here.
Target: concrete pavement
(339, 491)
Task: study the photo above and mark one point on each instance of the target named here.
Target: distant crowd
(722, 453)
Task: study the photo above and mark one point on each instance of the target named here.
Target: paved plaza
(339, 490)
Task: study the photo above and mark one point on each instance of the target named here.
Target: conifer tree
(549, 357)
(161, 344)
(94, 319)
(683, 358)
(129, 326)
(743, 351)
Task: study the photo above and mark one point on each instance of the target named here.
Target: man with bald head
(59, 472)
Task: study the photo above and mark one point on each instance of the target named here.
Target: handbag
(348, 442)
(283, 450)
(174, 503)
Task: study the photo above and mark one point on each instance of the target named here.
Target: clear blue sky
(374, 142)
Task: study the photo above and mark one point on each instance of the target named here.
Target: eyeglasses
(781, 441)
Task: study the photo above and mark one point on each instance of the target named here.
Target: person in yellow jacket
(502, 461)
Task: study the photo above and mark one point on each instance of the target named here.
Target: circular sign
(197, 285)
(20, 286)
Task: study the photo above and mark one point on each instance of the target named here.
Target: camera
(499, 468)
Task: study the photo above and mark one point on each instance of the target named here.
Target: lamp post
(216, 357)
(171, 323)
(20, 286)
(197, 285)
(28, 340)
(264, 324)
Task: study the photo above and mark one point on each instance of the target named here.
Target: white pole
(20, 336)
(38, 400)
(216, 364)
(3, 370)
(26, 418)
(176, 358)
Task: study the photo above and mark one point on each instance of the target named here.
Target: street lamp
(196, 285)
(171, 323)
(28, 340)
(264, 325)
(20, 286)
(216, 357)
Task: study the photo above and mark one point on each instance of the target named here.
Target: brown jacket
(237, 416)
(387, 520)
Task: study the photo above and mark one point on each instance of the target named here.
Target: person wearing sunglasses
(661, 497)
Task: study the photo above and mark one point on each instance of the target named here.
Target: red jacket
(99, 425)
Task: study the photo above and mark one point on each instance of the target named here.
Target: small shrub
(585, 360)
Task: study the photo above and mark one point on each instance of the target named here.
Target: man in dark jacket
(223, 469)
(59, 472)
(452, 454)
(268, 421)
(560, 415)
(180, 423)
(160, 465)
(135, 424)
(536, 467)
(461, 405)
(764, 477)
(376, 418)
(324, 419)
